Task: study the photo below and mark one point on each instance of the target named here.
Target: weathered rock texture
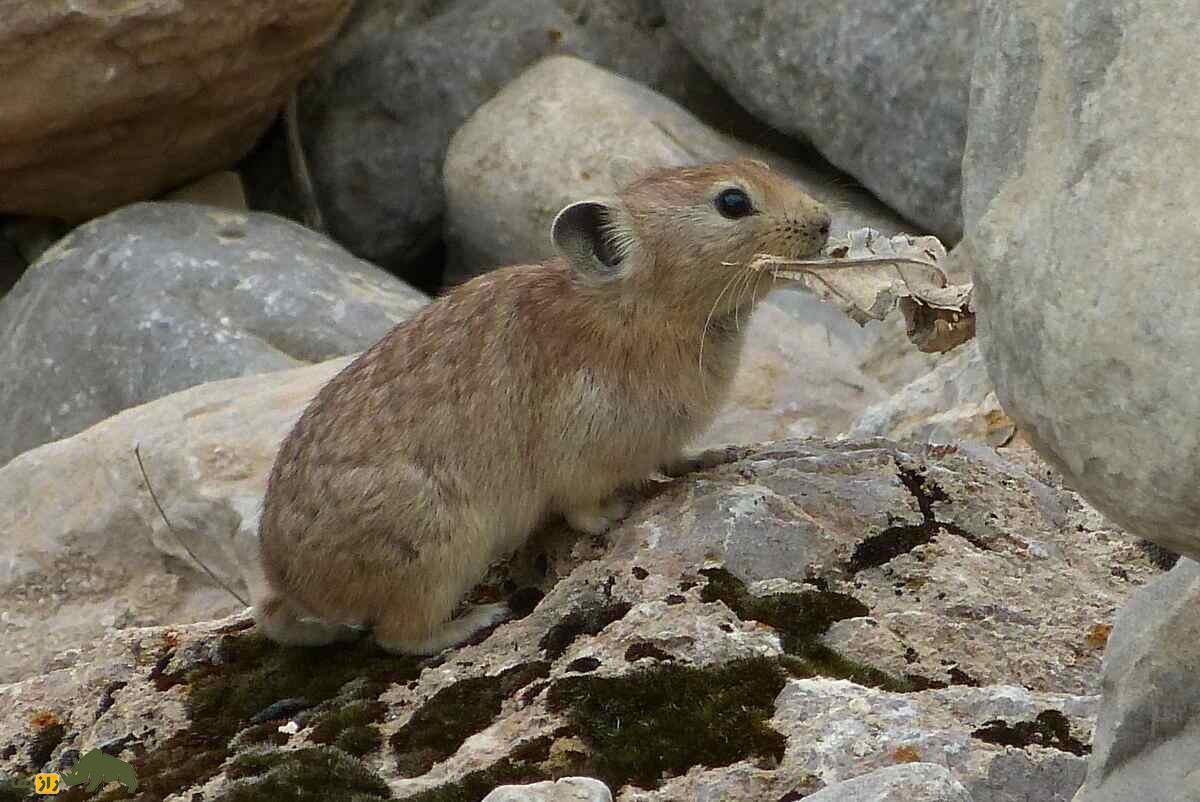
(81, 545)
(1079, 227)
(402, 77)
(566, 130)
(954, 402)
(908, 782)
(158, 297)
(700, 651)
(1148, 733)
(881, 88)
(110, 103)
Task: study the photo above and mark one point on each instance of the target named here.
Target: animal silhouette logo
(97, 768)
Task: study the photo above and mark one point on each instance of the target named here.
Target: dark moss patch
(348, 727)
(798, 617)
(454, 714)
(1160, 557)
(589, 621)
(316, 774)
(583, 665)
(283, 709)
(665, 720)
(523, 602)
(10, 791)
(521, 767)
(674, 599)
(801, 619)
(1050, 729)
(641, 650)
(108, 699)
(639, 572)
(884, 547)
(44, 742)
(251, 675)
(960, 677)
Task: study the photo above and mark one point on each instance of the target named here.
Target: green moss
(519, 768)
(799, 618)
(438, 729)
(316, 774)
(670, 718)
(348, 727)
(12, 792)
(252, 674)
(588, 621)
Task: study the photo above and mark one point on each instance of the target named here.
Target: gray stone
(881, 88)
(843, 730)
(568, 789)
(76, 528)
(380, 110)
(953, 402)
(1086, 284)
(908, 782)
(567, 130)
(154, 298)
(1148, 733)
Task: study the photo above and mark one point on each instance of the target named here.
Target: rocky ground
(894, 590)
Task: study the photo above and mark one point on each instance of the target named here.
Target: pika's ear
(578, 233)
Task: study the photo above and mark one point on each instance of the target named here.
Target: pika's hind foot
(396, 636)
(598, 519)
(284, 624)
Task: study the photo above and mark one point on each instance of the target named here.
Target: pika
(529, 392)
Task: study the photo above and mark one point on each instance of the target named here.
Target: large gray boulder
(402, 77)
(1080, 198)
(1148, 734)
(880, 88)
(157, 297)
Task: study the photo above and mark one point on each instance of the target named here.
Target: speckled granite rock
(157, 297)
(693, 653)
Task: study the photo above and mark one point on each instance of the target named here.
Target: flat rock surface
(710, 622)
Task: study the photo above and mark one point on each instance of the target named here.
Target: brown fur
(528, 392)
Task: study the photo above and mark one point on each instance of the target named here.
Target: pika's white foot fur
(453, 633)
(598, 519)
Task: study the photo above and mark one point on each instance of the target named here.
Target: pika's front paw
(598, 519)
(703, 460)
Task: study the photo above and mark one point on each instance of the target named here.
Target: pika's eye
(734, 203)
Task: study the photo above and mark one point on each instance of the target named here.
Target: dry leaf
(868, 275)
